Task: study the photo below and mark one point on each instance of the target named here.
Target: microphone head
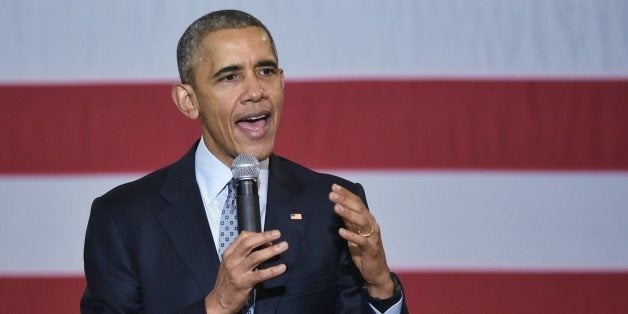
(245, 167)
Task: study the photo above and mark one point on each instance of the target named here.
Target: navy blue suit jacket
(149, 248)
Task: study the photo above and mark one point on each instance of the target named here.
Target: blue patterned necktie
(228, 233)
(228, 221)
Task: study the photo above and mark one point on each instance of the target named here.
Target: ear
(185, 99)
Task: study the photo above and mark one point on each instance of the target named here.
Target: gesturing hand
(364, 241)
(237, 274)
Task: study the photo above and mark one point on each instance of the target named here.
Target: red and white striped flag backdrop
(491, 137)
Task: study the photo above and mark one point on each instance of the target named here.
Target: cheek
(278, 113)
(218, 123)
(279, 107)
(218, 116)
(277, 97)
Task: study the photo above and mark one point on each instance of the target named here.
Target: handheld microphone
(245, 169)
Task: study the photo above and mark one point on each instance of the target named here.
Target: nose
(258, 95)
(255, 92)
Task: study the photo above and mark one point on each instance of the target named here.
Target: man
(156, 245)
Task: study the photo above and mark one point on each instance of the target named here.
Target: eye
(229, 77)
(267, 71)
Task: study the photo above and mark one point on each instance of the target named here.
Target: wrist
(383, 290)
(382, 287)
(214, 305)
(382, 304)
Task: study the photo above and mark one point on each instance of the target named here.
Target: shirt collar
(212, 175)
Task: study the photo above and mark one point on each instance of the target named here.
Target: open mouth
(254, 124)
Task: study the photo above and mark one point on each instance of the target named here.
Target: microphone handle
(248, 205)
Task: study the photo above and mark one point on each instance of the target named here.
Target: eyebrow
(229, 68)
(235, 67)
(267, 63)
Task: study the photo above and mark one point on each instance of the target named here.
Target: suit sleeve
(112, 283)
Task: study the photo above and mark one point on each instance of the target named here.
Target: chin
(260, 148)
(262, 155)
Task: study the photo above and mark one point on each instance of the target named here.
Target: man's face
(239, 93)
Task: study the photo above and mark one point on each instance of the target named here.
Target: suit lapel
(185, 223)
(284, 190)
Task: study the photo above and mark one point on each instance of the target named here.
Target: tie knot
(231, 188)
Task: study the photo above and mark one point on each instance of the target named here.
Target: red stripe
(357, 124)
(512, 293)
(96, 128)
(52, 295)
(468, 293)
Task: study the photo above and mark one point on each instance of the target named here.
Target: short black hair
(190, 41)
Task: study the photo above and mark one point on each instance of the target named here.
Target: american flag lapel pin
(296, 216)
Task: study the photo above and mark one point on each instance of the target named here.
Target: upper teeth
(256, 117)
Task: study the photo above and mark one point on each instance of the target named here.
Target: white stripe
(501, 220)
(43, 221)
(135, 40)
(443, 220)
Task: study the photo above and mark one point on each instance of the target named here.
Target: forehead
(236, 46)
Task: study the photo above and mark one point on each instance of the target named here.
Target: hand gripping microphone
(245, 169)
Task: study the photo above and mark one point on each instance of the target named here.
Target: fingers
(259, 256)
(353, 219)
(354, 238)
(241, 258)
(247, 241)
(351, 208)
(345, 198)
(261, 275)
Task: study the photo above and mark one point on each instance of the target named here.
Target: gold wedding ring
(366, 235)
